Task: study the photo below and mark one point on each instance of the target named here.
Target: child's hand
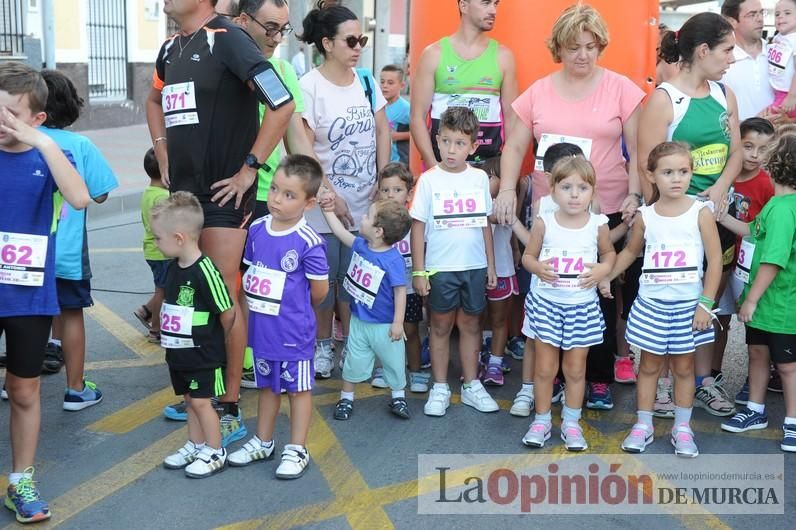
(21, 131)
(605, 289)
(421, 285)
(397, 331)
(491, 278)
(789, 103)
(595, 274)
(747, 311)
(326, 198)
(546, 272)
(702, 319)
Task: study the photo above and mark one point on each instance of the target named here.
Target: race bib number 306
(22, 259)
(459, 210)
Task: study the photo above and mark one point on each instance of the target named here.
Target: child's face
(391, 85)
(19, 106)
(454, 148)
(573, 194)
(785, 16)
(366, 228)
(287, 199)
(167, 240)
(672, 175)
(393, 189)
(755, 146)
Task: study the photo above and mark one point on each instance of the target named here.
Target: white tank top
(504, 258)
(569, 249)
(673, 255)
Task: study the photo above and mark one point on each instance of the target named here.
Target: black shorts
(781, 346)
(200, 384)
(26, 338)
(414, 308)
(451, 290)
(227, 216)
(73, 294)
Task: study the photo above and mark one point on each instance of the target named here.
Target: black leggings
(26, 339)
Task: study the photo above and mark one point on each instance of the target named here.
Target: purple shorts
(290, 376)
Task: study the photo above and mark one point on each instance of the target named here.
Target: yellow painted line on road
(153, 360)
(135, 415)
(124, 332)
(129, 250)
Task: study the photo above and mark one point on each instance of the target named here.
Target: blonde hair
(180, 212)
(573, 165)
(571, 23)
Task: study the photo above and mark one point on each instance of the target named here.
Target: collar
(740, 54)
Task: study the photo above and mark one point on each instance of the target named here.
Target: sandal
(399, 407)
(153, 336)
(144, 316)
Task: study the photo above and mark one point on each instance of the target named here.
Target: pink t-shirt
(598, 117)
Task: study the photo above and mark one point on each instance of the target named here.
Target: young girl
(781, 58)
(562, 252)
(672, 312)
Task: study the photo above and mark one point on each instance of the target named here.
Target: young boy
(392, 84)
(449, 212)
(195, 319)
(72, 267)
(376, 281)
(34, 167)
(287, 276)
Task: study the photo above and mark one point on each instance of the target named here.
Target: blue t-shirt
(71, 244)
(398, 116)
(28, 207)
(391, 263)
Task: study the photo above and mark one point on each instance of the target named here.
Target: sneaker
(247, 379)
(418, 382)
(343, 409)
(639, 438)
(505, 365)
(516, 347)
(745, 420)
(712, 397)
(399, 407)
(493, 374)
(252, 451)
(295, 460)
(572, 434)
(438, 402)
(558, 391)
(232, 428)
(208, 462)
(599, 397)
(25, 501)
(53, 359)
(343, 353)
(537, 434)
(788, 438)
(742, 397)
(378, 379)
(486, 349)
(184, 456)
(775, 382)
(477, 397)
(425, 354)
(176, 412)
(324, 360)
(90, 395)
(3, 393)
(664, 406)
(523, 403)
(683, 441)
(337, 330)
(624, 370)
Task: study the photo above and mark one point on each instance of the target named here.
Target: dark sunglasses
(352, 41)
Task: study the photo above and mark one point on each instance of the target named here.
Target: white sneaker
(295, 460)
(538, 433)
(572, 434)
(438, 402)
(324, 360)
(477, 397)
(252, 451)
(208, 462)
(418, 382)
(378, 379)
(184, 456)
(523, 403)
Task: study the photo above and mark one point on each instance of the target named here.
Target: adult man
(202, 116)
(466, 69)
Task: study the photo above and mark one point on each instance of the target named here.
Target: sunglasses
(352, 41)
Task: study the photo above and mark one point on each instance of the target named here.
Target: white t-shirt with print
(781, 53)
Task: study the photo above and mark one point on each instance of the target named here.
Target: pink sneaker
(623, 370)
(493, 374)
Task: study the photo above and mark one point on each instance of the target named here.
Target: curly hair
(781, 164)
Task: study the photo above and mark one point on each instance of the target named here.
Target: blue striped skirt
(663, 326)
(565, 326)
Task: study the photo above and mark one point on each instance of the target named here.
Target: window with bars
(12, 29)
(107, 59)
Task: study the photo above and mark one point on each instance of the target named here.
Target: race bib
(667, 263)
(264, 289)
(459, 210)
(362, 280)
(179, 104)
(176, 326)
(546, 140)
(406, 252)
(22, 259)
(568, 264)
(778, 57)
(745, 255)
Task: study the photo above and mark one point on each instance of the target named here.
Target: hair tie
(677, 35)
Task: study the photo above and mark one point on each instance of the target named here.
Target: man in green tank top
(467, 69)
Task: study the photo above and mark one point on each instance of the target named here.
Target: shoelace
(26, 488)
(88, 384)
(789, 431)
(600, 388)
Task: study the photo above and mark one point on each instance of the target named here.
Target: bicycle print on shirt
(354, 161)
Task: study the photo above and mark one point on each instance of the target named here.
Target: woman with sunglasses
(351, 138)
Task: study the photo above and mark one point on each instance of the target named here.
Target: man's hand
(234, 187)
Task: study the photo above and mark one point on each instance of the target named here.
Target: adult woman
(351, 137)
(595, 108)
(693, 107)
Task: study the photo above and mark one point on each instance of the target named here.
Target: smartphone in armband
(270, 88)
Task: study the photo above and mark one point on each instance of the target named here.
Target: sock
(756, 407)
(528, 386)
(200, 446)
(645, 418)
(474, 382)
(682, 415)
(398, 394)
(14, 478)
(248, 359)
(699, 380)
(347, 395)
(487, 334)
(57, 342)
(544, 418)
(256, 440)
(568, 414)
(441, 386)
(789, 421)
(494, 359)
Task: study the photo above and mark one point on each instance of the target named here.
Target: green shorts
(366, 341)
(451, 290)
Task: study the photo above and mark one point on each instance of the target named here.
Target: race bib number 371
(179, 104)
(22, 259)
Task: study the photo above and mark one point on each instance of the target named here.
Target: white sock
(494, 359)
(528, 386)
(199, 447)
(756, 407)
(441, 386)
(789, 420)
(398, 394)
(347, 395)
(14, 478)
(57, 342)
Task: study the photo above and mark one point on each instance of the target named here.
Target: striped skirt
(663, 326)
(565, 326)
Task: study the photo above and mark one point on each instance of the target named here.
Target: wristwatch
(251, 161)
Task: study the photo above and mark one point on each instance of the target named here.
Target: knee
(23, 392)
(441, 328)
(468, 323)
(682, 369)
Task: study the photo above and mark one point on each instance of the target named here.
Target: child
(671, 315)
(562, 253)
(458, 265)
(195, 319)
(781, 58)
(376, 281)
(392, 84)
(287, 276)
(157, 262)
(34, 168)
(72, 267)
(769, 255)
(395, 184)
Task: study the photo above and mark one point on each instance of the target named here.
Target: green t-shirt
(774, 236)
(150, 196)
(288, 75)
